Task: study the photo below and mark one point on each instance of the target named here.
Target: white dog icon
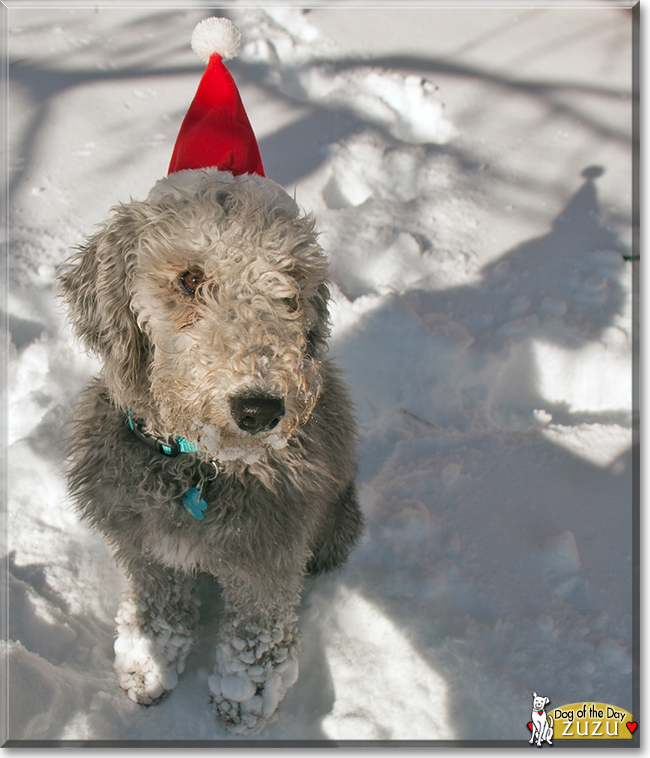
(542, 725)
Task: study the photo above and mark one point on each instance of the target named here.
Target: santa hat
(216, 131)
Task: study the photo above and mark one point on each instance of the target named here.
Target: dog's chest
(177, 539)
(178, 551)
(174, 536)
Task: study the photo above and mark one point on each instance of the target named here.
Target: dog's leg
(340, 532)
(549, 730)
(255, 667)
(154, 632)
(257, 654)
(535, 737)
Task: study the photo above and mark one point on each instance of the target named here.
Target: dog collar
(171, 446)
(193, 501)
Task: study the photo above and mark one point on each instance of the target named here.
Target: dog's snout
(259, 413)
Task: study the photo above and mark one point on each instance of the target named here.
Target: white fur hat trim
(189, 183)
(216, 35)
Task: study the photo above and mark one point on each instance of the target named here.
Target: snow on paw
(253, 673)
(148, 661)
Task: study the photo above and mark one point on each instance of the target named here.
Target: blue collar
(171, 446)
(193, 499)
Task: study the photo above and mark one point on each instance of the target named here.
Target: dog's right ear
(96, 287)
(534, 694)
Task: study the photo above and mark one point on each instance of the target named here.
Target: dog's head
(539, 702)
(208, 305)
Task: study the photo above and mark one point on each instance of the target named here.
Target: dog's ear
(95, 285)
(319, 319)
(309, 267)
(534, 694)
(546, 701)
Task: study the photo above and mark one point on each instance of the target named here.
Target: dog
(218, 438)
(542, 725)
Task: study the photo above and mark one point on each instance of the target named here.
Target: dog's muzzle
(256, 413)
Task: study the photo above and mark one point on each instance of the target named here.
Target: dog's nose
(256, 414)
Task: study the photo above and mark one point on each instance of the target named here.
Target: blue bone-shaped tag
(194, 503)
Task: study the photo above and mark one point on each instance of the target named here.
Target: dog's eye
(291, 303)
(192, 280)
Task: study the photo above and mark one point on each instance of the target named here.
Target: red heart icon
(530, 725)
(631, 725)
(540, 712)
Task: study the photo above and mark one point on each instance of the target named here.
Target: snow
(470, 171)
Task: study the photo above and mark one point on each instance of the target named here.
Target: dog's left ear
(95, 286)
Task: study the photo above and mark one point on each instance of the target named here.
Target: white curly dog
(218, 437)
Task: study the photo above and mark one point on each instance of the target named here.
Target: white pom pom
(216, 35)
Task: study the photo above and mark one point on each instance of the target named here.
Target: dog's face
(210, 314)
(539, 703)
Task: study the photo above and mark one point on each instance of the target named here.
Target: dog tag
(194, 503)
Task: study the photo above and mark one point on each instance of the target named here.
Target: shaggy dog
(218, 437)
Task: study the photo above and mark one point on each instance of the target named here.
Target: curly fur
(283, 502)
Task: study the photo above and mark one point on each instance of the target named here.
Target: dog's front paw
(253, 673)
(149, 661)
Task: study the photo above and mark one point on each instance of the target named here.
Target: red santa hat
(216, 131)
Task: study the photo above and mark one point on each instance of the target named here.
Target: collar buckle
(167, 447)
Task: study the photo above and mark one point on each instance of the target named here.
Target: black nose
(256, 413)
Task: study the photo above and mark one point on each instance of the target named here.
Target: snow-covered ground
(471, 172)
